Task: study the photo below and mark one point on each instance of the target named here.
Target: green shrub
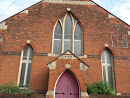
(101, 88)
(12, 88)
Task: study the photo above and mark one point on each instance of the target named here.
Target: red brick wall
(37, 26)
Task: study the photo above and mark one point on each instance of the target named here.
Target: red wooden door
(67, 86)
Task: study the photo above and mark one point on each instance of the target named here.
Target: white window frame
(63, 30)
(106, 66)
(26, 68)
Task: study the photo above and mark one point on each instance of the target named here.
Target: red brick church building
(57, 46)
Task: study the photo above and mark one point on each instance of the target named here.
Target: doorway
(67, 86)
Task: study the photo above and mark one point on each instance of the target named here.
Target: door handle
(60, 93)
(74, 93)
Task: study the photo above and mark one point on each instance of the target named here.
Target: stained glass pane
(57, 47)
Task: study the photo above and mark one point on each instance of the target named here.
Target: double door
(67, 86)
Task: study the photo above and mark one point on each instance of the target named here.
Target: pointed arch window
(107, 66)
(67, 35)
(26, 66)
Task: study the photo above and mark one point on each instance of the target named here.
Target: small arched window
(107, 66)
(67, 35)
(26, 66)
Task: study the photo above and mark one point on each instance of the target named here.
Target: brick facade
(36, 28)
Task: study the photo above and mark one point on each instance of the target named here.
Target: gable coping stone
(71, 2)
(2, 25)
(83, 67)
(25, 12)
(111, 16)
(52, 65)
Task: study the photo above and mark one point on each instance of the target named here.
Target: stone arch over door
(67, 86)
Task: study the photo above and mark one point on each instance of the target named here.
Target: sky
(120, 8)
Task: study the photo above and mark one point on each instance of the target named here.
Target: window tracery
(67, 35)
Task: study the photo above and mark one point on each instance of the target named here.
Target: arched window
(67, 35)
(107, 66)
(26, 66)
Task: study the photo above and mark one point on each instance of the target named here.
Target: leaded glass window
(107, 66)
(26, 66)
(67, 35)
